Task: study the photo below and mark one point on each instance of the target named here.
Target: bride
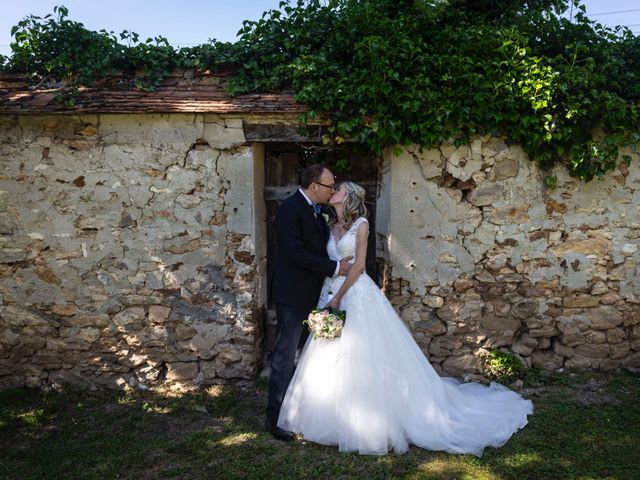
(372, 390)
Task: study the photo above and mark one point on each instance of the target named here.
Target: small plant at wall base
(502, 366)
(399, 72)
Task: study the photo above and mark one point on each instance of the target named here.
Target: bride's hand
(334, 303)
(345, 266)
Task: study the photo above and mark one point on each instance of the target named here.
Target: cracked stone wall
(481, 255)
(130, 250)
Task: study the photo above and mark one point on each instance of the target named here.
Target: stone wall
(133, 251)
(130, 250)
(481, 255)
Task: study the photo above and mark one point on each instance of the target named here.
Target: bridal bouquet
(326, 323)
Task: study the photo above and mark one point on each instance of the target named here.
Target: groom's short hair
(311, 174)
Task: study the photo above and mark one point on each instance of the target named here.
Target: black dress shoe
(278, 433)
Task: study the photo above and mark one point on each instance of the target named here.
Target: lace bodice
(346, 245)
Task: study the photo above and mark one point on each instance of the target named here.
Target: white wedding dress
(372, 390)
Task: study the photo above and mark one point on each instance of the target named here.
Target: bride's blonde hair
(353, 206)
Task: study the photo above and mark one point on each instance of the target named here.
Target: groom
(301, 266)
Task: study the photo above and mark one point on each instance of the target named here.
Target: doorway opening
(283, 163)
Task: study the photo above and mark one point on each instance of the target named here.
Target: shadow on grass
(218, 433)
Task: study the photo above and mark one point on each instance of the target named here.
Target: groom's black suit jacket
(302, 262)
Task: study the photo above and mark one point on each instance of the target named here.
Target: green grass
(585, 426)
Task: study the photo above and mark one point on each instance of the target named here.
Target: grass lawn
(585, 426)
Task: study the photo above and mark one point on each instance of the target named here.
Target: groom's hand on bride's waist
(345, 266)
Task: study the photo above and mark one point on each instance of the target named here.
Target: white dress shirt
(310, 202)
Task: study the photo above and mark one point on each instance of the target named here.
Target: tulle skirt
(373, 391)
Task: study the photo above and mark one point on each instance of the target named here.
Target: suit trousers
(291, 335)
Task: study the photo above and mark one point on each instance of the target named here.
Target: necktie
(316, 208)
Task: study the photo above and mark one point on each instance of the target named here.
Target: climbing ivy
(397, 72)
(54, 49)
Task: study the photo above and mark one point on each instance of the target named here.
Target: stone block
(471, 310)
(619, 350)
(609, 298)
(12, 255)
(185, 332)
(463, 284)
(65, 310)
(152, 129)
(599, 288)
(525, 310)
(208, 369)
(238, 370)
(443, 346)
(632, 362)
(89, 334)
(69, 378)
(132, 359)
(595, 336)
(85, 320)
(500, 307)
(521, 349)
(10, 337)
(599, 246)
(579, 362)
(546, 359)
(159, 313)
(545, 331)
(188, 201)
(181, 371)
(509, 215)
(129, 316)
(593, 351)
(572, 336)
(411, 313)
(4, 200)
(485, 194)
(629, 249)
(19, 317)
(505, 168)
(450, 311)
(580, 300)
(147, 374)
(604, 317)
(492, 322)
(432, 326)
(609, 364)
(562, 350)
(433, 301)
(223, 133)
(544, 343)
(8, 224)
(228, 354)
(460, 162)
(460, 365)
(615, 335)
(154, 336)
(494, 146)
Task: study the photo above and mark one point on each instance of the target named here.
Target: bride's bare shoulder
(361, 227)
(360, 221)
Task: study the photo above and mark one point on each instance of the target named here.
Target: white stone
(223, 133)
(129, 316)
(629, 249)
(89, 334)
(160, 190)
(188, 201)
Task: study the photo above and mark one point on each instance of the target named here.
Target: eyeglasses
(333, 187)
